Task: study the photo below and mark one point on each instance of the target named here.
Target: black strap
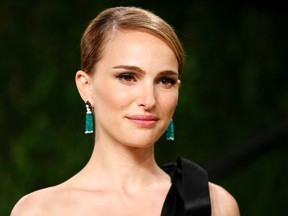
(189, 193)
(194, 188)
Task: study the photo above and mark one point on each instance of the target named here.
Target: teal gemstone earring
(88, 118)
(170, 131)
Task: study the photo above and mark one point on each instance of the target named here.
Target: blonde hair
(100, 28)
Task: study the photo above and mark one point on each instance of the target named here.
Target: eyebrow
(139, 70)
(129, 67)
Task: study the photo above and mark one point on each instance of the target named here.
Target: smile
(143, 120)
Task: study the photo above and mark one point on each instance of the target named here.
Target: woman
(131, 66)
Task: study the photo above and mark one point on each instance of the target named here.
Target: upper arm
(222, 202)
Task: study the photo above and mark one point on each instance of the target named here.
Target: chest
(110, 206)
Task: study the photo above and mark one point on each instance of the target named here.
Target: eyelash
(127, 77)
(171, 81)
(131, 77)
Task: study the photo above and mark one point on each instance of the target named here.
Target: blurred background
(232, 113)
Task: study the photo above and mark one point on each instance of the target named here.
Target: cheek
(111, 98)
(122, 99)
(168, 102)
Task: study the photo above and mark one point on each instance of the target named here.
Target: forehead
(130, 38)
(133, 45)
(115, 33)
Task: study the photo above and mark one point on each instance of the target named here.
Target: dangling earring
(170, 131)
(88, 118)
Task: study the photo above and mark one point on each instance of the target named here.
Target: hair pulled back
(100, 29)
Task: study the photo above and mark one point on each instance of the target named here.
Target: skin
(134, 92)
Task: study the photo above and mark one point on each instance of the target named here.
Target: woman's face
(134, 89)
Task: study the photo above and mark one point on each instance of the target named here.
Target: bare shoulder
(35, 203)
(222, 202)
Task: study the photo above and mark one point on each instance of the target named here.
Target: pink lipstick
(144, 120)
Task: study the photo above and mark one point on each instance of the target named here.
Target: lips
(144, 120)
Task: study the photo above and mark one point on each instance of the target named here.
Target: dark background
(232, 113)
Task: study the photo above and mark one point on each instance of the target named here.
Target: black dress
(189, 192)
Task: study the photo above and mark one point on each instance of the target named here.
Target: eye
(127, 77)
(168, 82)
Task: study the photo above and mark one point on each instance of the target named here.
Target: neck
(122, 166)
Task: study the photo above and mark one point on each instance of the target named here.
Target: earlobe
(83, 82)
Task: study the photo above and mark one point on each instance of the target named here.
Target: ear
(83, 83)
(179, 83)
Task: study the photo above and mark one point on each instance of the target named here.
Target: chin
(142, 143)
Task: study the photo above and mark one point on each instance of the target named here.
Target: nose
(147, 96)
